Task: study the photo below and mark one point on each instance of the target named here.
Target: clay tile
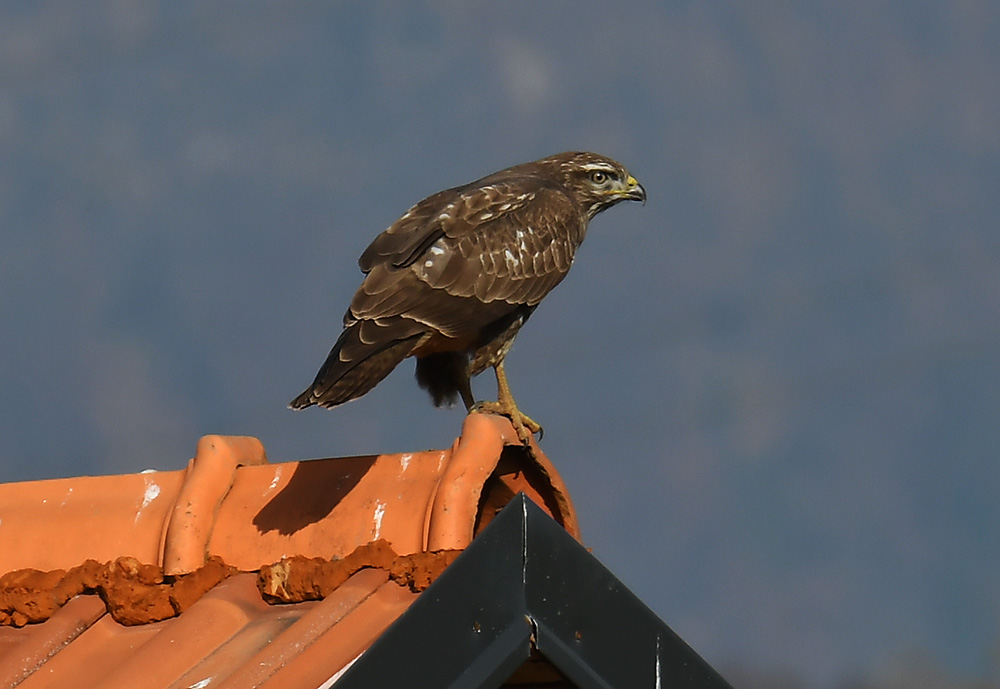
(231, 504)
(209, 476)
(489, 449)
(286, 645)
(60, 523)
(36, 647)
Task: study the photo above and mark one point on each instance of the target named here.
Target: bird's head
(596, 182)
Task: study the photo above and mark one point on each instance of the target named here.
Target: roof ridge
(150, 544)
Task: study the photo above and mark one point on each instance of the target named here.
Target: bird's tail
(364, 354)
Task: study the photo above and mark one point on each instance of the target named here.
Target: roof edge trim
(525, 572)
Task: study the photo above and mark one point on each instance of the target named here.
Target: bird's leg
(465, 390)
(523, 424)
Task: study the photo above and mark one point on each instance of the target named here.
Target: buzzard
(453, 280)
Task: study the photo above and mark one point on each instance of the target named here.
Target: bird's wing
(408, 237)
(467, 256)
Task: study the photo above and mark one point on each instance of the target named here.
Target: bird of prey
(453, 280)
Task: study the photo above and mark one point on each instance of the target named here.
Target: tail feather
(356, 364)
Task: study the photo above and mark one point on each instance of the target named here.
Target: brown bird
(453, 280)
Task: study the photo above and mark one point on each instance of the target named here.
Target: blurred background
(774, 391)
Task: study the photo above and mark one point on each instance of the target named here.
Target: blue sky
(773, 390)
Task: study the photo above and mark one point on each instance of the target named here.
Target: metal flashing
(525, 584)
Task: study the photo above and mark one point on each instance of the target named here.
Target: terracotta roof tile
(344, 641)
(22, 651)
(161, 528)
(229, 638)
(232, 504)
(284, 644)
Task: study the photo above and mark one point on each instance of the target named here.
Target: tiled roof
(207, 541)
(228, 638)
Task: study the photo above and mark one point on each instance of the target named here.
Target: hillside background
(774, 391)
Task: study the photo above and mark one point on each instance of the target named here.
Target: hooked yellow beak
(633, 191)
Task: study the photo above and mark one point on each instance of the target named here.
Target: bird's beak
(633, 191)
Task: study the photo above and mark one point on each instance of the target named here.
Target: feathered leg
(445, 375)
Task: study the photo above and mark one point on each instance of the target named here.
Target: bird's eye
(598, 176)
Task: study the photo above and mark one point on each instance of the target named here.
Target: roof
(231, 503)
(356, 571)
